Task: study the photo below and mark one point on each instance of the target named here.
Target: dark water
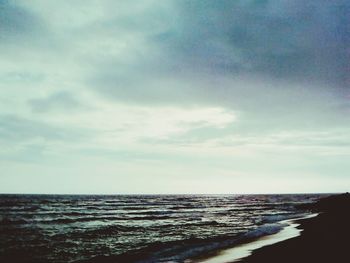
(48, 228)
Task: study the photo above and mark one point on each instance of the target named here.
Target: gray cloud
(17, 22)
(285, 47)
(15, 129)
(285, 39)
(238, 54)
(60, 101)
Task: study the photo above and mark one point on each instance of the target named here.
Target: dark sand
(325, 238)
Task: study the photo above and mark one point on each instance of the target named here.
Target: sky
(174, 96)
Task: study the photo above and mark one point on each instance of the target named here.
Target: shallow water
(66, 228)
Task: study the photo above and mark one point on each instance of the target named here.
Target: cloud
(17, 22)
(238, 54)
(284, 39)
(113, 124)
(62, 101)
(15, 129)
(149, 52)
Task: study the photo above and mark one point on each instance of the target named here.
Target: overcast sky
(178, 96)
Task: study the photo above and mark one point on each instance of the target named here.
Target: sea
(137, 228)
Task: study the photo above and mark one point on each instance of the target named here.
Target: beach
(318, 237)
(324, 238)
(239, 252)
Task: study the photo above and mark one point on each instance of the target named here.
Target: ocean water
(136, 228)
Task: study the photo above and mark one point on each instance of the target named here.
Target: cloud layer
(177, 92)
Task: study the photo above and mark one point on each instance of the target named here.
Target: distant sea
(154, 228)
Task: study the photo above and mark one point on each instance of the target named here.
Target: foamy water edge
(242, 251)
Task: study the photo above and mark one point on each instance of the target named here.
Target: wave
(159, 228)
(279, 217)
(8, 222)
(100, 218)
(178, 251)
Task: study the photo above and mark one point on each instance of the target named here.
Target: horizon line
(150, 194)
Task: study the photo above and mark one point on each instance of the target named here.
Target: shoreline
(324, 238)
(242, 251)
(320, 239)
